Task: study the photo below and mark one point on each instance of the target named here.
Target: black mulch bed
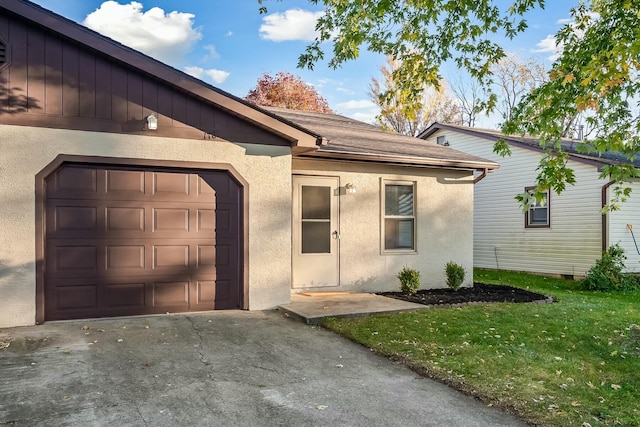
(480, 292)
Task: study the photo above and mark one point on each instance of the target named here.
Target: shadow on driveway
(215, 369)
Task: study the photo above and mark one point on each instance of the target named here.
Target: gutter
(482, 176)
(402, 160)
(605, 216)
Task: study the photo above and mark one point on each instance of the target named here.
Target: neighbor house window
(399, 220)
(442, 140)
(539, 214)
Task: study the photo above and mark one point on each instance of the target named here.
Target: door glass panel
(316, 202)
(316, 237)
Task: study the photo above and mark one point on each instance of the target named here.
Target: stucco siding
(26, 151)
(618, 231)
(444, 209)
(501, 241)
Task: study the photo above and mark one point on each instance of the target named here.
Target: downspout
(481, 177)
(605, 215)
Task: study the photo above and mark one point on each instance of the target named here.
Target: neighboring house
(562, 237)
(128, 187)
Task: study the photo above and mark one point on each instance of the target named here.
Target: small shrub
(606, 274)
(409, 280)
(455, 275)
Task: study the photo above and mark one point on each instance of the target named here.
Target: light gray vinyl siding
(618, 232)
(501, 241)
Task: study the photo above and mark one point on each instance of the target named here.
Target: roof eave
(423, 162)
(582, 158)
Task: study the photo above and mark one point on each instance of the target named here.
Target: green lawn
(572, 363)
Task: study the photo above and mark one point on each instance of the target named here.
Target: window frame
(384, 217)
(547, 206)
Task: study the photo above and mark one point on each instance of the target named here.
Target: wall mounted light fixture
(152, 122)
(350, 188)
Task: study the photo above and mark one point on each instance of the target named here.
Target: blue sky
(227, 43)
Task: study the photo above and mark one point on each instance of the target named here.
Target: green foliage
(420, 35)
(455, 275)
(606, 274)
(571, 363)
(409, 280)
(596, 76)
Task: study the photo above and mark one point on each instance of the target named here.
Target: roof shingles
(346, 137)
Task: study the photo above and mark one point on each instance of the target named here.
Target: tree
(421, 35)
(598, 75)
(471, 99)
(514, 78)
(597, 72)
(287, 91)
(437, 105)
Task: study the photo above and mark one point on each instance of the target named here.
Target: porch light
(152, 122)
(350, 188)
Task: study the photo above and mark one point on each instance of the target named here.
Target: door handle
(336, 235)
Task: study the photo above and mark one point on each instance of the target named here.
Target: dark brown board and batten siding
(55, 82)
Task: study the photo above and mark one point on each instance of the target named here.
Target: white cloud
(293, 24)
(357, 104)
(216, 76)
(366, 116)
(363, 110)
(229, 34)
(345, 91)
(564, 21)
(212, 52)
(549, 45)
(164, 36)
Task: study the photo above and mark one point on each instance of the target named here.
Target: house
(562, 237)
(128, 187)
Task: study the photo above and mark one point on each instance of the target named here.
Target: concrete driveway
(215, 369)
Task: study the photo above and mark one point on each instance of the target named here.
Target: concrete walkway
(215, 369)
(314, 307)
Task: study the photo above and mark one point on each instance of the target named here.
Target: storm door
(316, 237)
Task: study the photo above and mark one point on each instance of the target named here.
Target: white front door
(316, 237)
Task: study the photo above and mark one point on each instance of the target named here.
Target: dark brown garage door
(126, 241)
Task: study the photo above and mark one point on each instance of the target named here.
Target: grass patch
(572, 363)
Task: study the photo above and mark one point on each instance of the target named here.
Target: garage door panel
(127, 219)
(73, 183)
(206, 292)
(125, 258)
(174, 294)
(78, 297)
(170, 219)
(130, 295)
(125, 183)
(206, 256)
(170, 256)
(72, 258)
(75, 218)
(134, 241)
(206, 220)
(204, 188)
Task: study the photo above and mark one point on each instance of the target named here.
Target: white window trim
(383, 250)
